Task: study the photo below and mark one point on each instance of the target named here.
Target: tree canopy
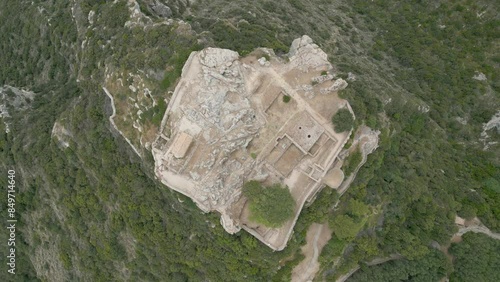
(271, 206)
(476, 258)
(343, 120)
(431, 267)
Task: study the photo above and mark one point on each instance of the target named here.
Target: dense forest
(94, 210)
(475, 258)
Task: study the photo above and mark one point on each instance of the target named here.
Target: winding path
(112, 121)
(317, 237)
(477, 227)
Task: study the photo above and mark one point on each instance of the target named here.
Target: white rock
(338, 85)
(479, 76)
(351, 76)
(263, 62)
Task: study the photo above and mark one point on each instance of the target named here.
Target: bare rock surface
(13, 99)
(493, 123)
(479, 76)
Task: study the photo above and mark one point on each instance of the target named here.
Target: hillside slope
(425, 74)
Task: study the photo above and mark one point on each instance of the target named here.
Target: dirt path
(476, 226)
(317, 237)
(375, 261)
(346, 276)
(478, 229)
(112, 121)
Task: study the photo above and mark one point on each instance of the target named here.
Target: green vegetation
(347, 223)
(97, 208)
(155, 114)
(344, 227)
(476, 258)
(109, 213)
(432, 267)
(245, 37)
(343, 120)
(426, 153)
(352, 162)
(286, 98)
(271, 206)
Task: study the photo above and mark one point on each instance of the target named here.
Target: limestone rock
(299, 43)
(215, 57)
(161, 9)
(351, 76)
(338, 85)
(479, 76)
(304, 55)
(322, 78)
(263, 62)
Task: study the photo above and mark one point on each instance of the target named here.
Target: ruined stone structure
(227, 123)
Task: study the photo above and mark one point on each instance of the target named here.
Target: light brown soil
(334, 178)
(317, 237)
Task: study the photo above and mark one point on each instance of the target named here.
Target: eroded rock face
(493, 123)
(338, 85)
(13, 99)
(479, 76)
(62, 134)
(227, 123)
(305, 54)
(161, 9)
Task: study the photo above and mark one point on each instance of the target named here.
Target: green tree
(432, 267)
(343, 120)
(344, 227)
(357, 208)
(353, 161)
(476, 258)
(271, 206)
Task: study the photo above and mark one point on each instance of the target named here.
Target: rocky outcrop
(62, 134)
(479, 76)
(13, 99)
(337, 85)
(161, 9)
(493, 123)
(305, 54)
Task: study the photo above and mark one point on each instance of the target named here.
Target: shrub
(352, 162)
(271, 206)
(343, 120)
(286, 98)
